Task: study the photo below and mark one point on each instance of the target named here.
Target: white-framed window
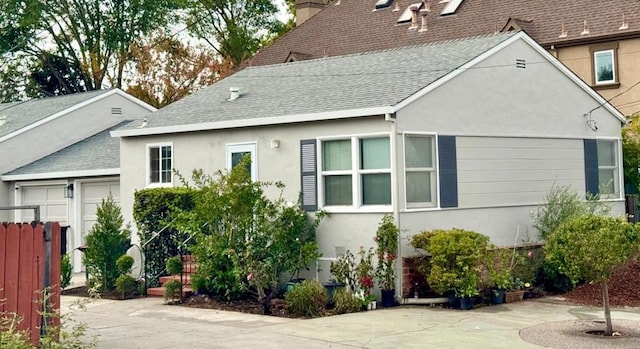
(604, 67)
(608, 168)
(235, 153)
(356, 172)
(420, 170)
(160, 164)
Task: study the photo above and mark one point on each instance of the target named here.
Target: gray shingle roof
(365, 80)
(97, 152)
(16, 115)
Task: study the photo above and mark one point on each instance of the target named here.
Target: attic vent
(451, 7)
(383, 4)
(407, 14)
(234, 93)
(116, 111)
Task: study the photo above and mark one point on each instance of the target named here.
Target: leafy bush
(172, 290)
(590, 247)
(126, 285)
(124, 264)
(307, 299)
(174, 265)
(346, 302)
(387, 250)
(152, 209)
(106, 242)
(66, 271)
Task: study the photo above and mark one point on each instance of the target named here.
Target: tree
(168, 69)
(54, 75)
(631, 153)
(235, 29)
(589, 247)
(106, 242)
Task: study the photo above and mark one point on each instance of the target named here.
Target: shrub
(174, 265)
(307, 299)
(346, 302)
(387, 250)
(172, 290)
(66, 271)
(126, 285)
(124, 264)
(106, 242)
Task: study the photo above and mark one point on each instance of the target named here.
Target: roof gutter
(272, 120)
(62, 174)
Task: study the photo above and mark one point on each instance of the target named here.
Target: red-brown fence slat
(38, 282)
(25, 278)
(3, 263)
(11, 268)
(56, 261)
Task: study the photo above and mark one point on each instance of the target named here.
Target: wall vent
(116, 111)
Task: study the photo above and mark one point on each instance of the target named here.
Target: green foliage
(106, 242)
(456, 258)
(307, 299)
(387, 251)
(126, 285)
(243, 239)
(66, 271)
(10, 336)
(355, 273)
(172, 290)
(151, 211)
(174, 265)
(346, 302)
(631, 153)
(343, 270)
(560, 204)
(124, 264)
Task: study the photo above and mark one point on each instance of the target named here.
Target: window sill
(159, 185)
(607, 86)
(361, 209)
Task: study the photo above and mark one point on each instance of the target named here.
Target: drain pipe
(391, 117)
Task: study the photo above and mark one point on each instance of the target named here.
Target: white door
(91, 196)
(50, 198)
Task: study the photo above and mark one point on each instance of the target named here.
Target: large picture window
(608, 168)
(420, 171)
(356, 171)
(160, 164)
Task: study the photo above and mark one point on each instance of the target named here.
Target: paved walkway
(148, 323)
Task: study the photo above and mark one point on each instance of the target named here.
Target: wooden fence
(29, 262)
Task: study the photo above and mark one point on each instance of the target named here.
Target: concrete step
(186, 279)
(189, 267)
(159, 292)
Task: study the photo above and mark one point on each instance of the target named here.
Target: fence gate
(29, 262)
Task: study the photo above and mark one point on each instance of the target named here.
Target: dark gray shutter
(591, 179)
(448, 171)
(309, 180)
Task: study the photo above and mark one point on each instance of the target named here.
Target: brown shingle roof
(353, 25)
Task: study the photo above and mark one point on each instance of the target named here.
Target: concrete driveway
(148, 323)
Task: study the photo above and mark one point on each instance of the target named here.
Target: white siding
(502, 171)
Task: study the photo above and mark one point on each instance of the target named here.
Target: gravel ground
(624, 289)
(572, 334)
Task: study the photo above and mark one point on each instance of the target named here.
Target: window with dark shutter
(309, 181)
(448, 171)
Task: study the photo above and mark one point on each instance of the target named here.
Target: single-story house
(57, 153)
(469, 133)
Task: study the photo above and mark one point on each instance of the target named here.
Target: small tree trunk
(607, 312)
(266, 302)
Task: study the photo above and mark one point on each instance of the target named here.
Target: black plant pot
(453, 301)
(466, 303)
(497, 296)
(388, 298)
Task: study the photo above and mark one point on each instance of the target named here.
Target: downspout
(391, 117)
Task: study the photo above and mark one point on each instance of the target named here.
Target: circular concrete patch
(572, 334)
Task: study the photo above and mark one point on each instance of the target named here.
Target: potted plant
(467, 290)
(387, 250)
(499, 266)
(516, 292)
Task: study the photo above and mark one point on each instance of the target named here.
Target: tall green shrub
(106, 242)
(152, 209)
(590, 247)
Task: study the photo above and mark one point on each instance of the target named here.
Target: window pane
(419, 187)
(237, 157)
(606, 178)
(376, 189)
(338, 190)
(419, 151)
(604, 66)
(374, 153)
(606, 153)
(336, 155)
(154, 165)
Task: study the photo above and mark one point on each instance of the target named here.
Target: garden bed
(623, 289)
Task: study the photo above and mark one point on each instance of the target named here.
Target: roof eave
(62, 174)
(588, 40)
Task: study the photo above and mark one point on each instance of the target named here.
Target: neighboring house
(598, 40)
(469, 133)
(57, 153)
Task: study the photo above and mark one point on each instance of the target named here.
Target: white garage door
(50, 198)
(92, 195)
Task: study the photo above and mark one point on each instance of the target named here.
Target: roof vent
(407, 15)
(3, 119)
(563, 32)
(383, 4)
(423, 27)
(116, 111)
(624, 25)
(585, 29)
(234, 93)
(451, 7)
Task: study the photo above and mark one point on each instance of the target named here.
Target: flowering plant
(364, 270)
(387, 250)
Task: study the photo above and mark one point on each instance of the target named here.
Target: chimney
(305, 9)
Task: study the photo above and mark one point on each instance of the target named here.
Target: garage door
(92, 195)
(50, 198)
